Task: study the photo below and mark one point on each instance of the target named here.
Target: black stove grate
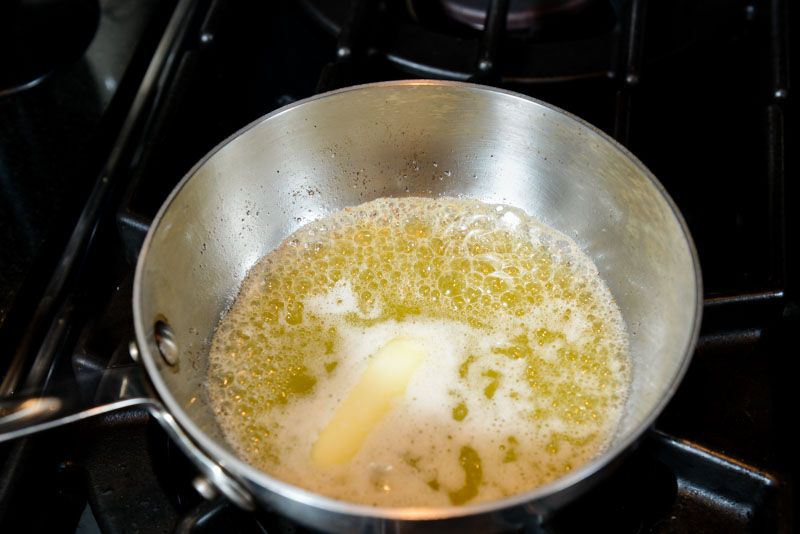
(705, 108)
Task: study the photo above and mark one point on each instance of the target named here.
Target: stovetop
(699, 91)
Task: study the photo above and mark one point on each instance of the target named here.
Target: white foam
(338, 301)
(419, 440)
(419, 425)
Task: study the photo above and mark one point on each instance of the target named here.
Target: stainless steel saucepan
(408, 138)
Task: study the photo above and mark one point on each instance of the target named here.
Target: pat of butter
(386, 378)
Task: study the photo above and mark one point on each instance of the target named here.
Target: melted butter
(518, 324)
(460, 411)
(470, 462)
(510, 450)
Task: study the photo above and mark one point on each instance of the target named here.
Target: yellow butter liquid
(526, 371)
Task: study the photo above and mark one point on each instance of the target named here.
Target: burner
(38, 36)
(557, 39)
(522, 14)
(552, 41)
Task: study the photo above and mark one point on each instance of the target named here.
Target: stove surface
(697, 90)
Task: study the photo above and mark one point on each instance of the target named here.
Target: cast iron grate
(696, 487)
(716, 462)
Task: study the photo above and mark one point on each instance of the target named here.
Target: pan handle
(120, 388)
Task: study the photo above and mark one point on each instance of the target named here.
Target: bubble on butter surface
(527, 362)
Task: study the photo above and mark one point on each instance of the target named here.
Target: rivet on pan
(204, 487)
(133, 350)
(165, 341)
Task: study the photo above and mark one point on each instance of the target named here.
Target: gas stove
(699, 91)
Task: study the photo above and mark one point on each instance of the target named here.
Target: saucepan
(396, 139)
